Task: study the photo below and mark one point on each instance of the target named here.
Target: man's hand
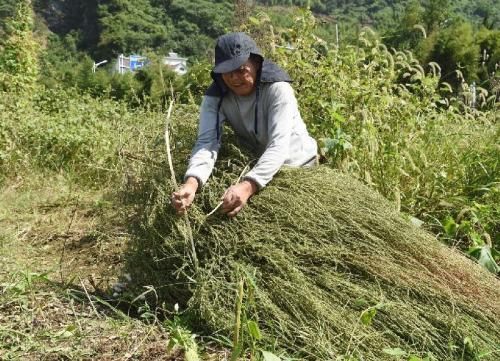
(237, 196)
(182, 199)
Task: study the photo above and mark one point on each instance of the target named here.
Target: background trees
(460, 35)
(18, 48)
(128, 26)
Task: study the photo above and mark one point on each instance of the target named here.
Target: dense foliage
(462, 37)
(107, 28)
(380, 116)
(18, 48)
(382, 12)
(376, 113)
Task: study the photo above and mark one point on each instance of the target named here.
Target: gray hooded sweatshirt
(275, 133)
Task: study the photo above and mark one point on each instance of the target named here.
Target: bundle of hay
(330, 268)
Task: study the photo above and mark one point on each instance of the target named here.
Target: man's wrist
(192, 182)
(252, 186)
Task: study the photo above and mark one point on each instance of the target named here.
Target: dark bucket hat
(232, 51)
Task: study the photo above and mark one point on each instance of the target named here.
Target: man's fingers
(228, 200)
(182, 198)
(179, 202)
(176, 199)
(180, 207)
(235, 211)
(230, 207)
(227, 207)
(233, 200)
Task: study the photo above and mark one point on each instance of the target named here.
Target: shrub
(63, 130)
(19, 51)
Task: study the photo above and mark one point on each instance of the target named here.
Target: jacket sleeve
(204, 153)
(281, 107)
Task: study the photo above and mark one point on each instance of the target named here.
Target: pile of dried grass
(324, 253)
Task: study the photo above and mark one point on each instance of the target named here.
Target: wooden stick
(237, 181)
(176, 186)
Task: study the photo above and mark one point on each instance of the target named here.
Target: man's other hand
(182, 199)
(237, 196)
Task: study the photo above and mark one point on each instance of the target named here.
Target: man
(255, 97)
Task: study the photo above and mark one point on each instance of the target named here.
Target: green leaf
(254, 21)
(368, 315)
(415, 358)
(450, 227)
(269, 356)
(394, 351)
(476, 238)
(486, 260)
(254, 330)
(468, 344)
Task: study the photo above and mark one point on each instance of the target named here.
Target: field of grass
(58, 265)
(95, 264)
(75, 229)
(64, 238)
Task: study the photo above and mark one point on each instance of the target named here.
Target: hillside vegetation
(388, 250)
(460, 36)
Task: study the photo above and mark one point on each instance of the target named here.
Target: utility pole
(94, 67)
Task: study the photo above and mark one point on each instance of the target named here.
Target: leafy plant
(247, 334)
(181, 336)
(19, 50)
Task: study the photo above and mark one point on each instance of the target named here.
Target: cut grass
(335, 270)
(40, 320)
(45, 312)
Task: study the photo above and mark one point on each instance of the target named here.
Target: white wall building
(132, 63)
(176, 63)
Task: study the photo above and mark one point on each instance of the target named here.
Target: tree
(456, 48)
(197, 23)
(130, 26)
(76, 17)
(406, 33)
(19, 50)
(488, 12)
(436, 13)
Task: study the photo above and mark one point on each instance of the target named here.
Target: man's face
(242, 81)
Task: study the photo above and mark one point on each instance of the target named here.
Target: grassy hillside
(336, 262)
